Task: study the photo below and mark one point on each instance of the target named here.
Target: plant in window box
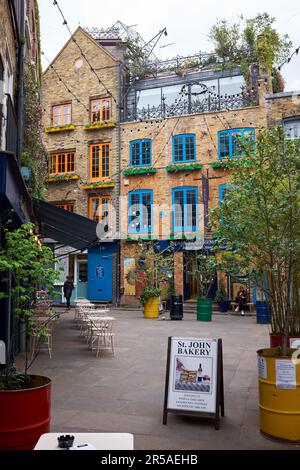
(25, 265)
(260, 217)
(183, 167)
(99, 125)
(53, 129)
(98, 184)
(62, 177)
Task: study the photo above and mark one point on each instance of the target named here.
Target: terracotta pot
(25, 414)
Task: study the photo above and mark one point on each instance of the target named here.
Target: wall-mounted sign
(194, 378)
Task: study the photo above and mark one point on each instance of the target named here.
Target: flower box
(139, 171)
(99, 184)
(100, 125)
(52, 130)
(220, 165)
(183, 167)
(62, 177)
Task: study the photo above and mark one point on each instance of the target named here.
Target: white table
(102, 441)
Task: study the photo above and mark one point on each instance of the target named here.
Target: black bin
(176, 311)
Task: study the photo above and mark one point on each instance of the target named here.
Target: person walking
(68, 288)
(241, 300)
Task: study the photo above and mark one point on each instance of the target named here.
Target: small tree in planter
(28, 265)
(260, 218)
(204, 273)
(158, 267)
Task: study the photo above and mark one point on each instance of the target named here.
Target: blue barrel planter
(204, 309)
(263, 313)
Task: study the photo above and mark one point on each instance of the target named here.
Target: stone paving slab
(125, 393)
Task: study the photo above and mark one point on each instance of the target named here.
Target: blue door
(100, 283)
(82, 280)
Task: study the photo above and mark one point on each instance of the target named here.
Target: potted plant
(260, 220)
(222, 299)
(24, 398)
(149, 299)
(204, 273)
(157, 267)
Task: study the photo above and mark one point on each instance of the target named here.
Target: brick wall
(76, 73)
(206, 128)
(282, 106)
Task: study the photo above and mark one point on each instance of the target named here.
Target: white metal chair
(102, 335)
(41, 337)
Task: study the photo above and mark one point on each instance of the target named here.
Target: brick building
(15, 201)
(166, 134)
(82, 139)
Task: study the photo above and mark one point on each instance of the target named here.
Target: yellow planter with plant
(150, 299)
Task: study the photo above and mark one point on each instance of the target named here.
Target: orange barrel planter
(25, 414)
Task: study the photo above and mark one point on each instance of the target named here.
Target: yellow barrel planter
(279, 395)
(151, 308)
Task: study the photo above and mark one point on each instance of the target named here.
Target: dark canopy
(65, 227)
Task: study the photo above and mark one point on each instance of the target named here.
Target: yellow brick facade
(76, 73)
(79, 78)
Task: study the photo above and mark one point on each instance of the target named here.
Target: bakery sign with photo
(194, 381)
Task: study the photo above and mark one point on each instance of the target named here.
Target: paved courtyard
(126, 393)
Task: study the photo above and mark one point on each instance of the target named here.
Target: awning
(65, 227)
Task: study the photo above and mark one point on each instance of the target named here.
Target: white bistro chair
(102, 335)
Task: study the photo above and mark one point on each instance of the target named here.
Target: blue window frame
(184, 148)
(223, 189)
(229, 141)
(185, 209)
(140, 211)
(140, 152)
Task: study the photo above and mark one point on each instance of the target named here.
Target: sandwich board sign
(194, 378)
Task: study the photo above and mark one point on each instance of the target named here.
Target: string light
(62, 81)
(296, 52)
(65, 23)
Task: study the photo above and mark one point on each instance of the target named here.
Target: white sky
(188, 23)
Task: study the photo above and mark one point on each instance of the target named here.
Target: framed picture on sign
(194, 378)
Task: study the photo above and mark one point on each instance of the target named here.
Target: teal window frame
(229, 135)
(144, 147)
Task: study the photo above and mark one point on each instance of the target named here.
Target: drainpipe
(118, 178)
(20, 111)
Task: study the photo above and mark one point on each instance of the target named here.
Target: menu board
(194, 378)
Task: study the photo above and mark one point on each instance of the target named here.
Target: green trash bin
(204, 309)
